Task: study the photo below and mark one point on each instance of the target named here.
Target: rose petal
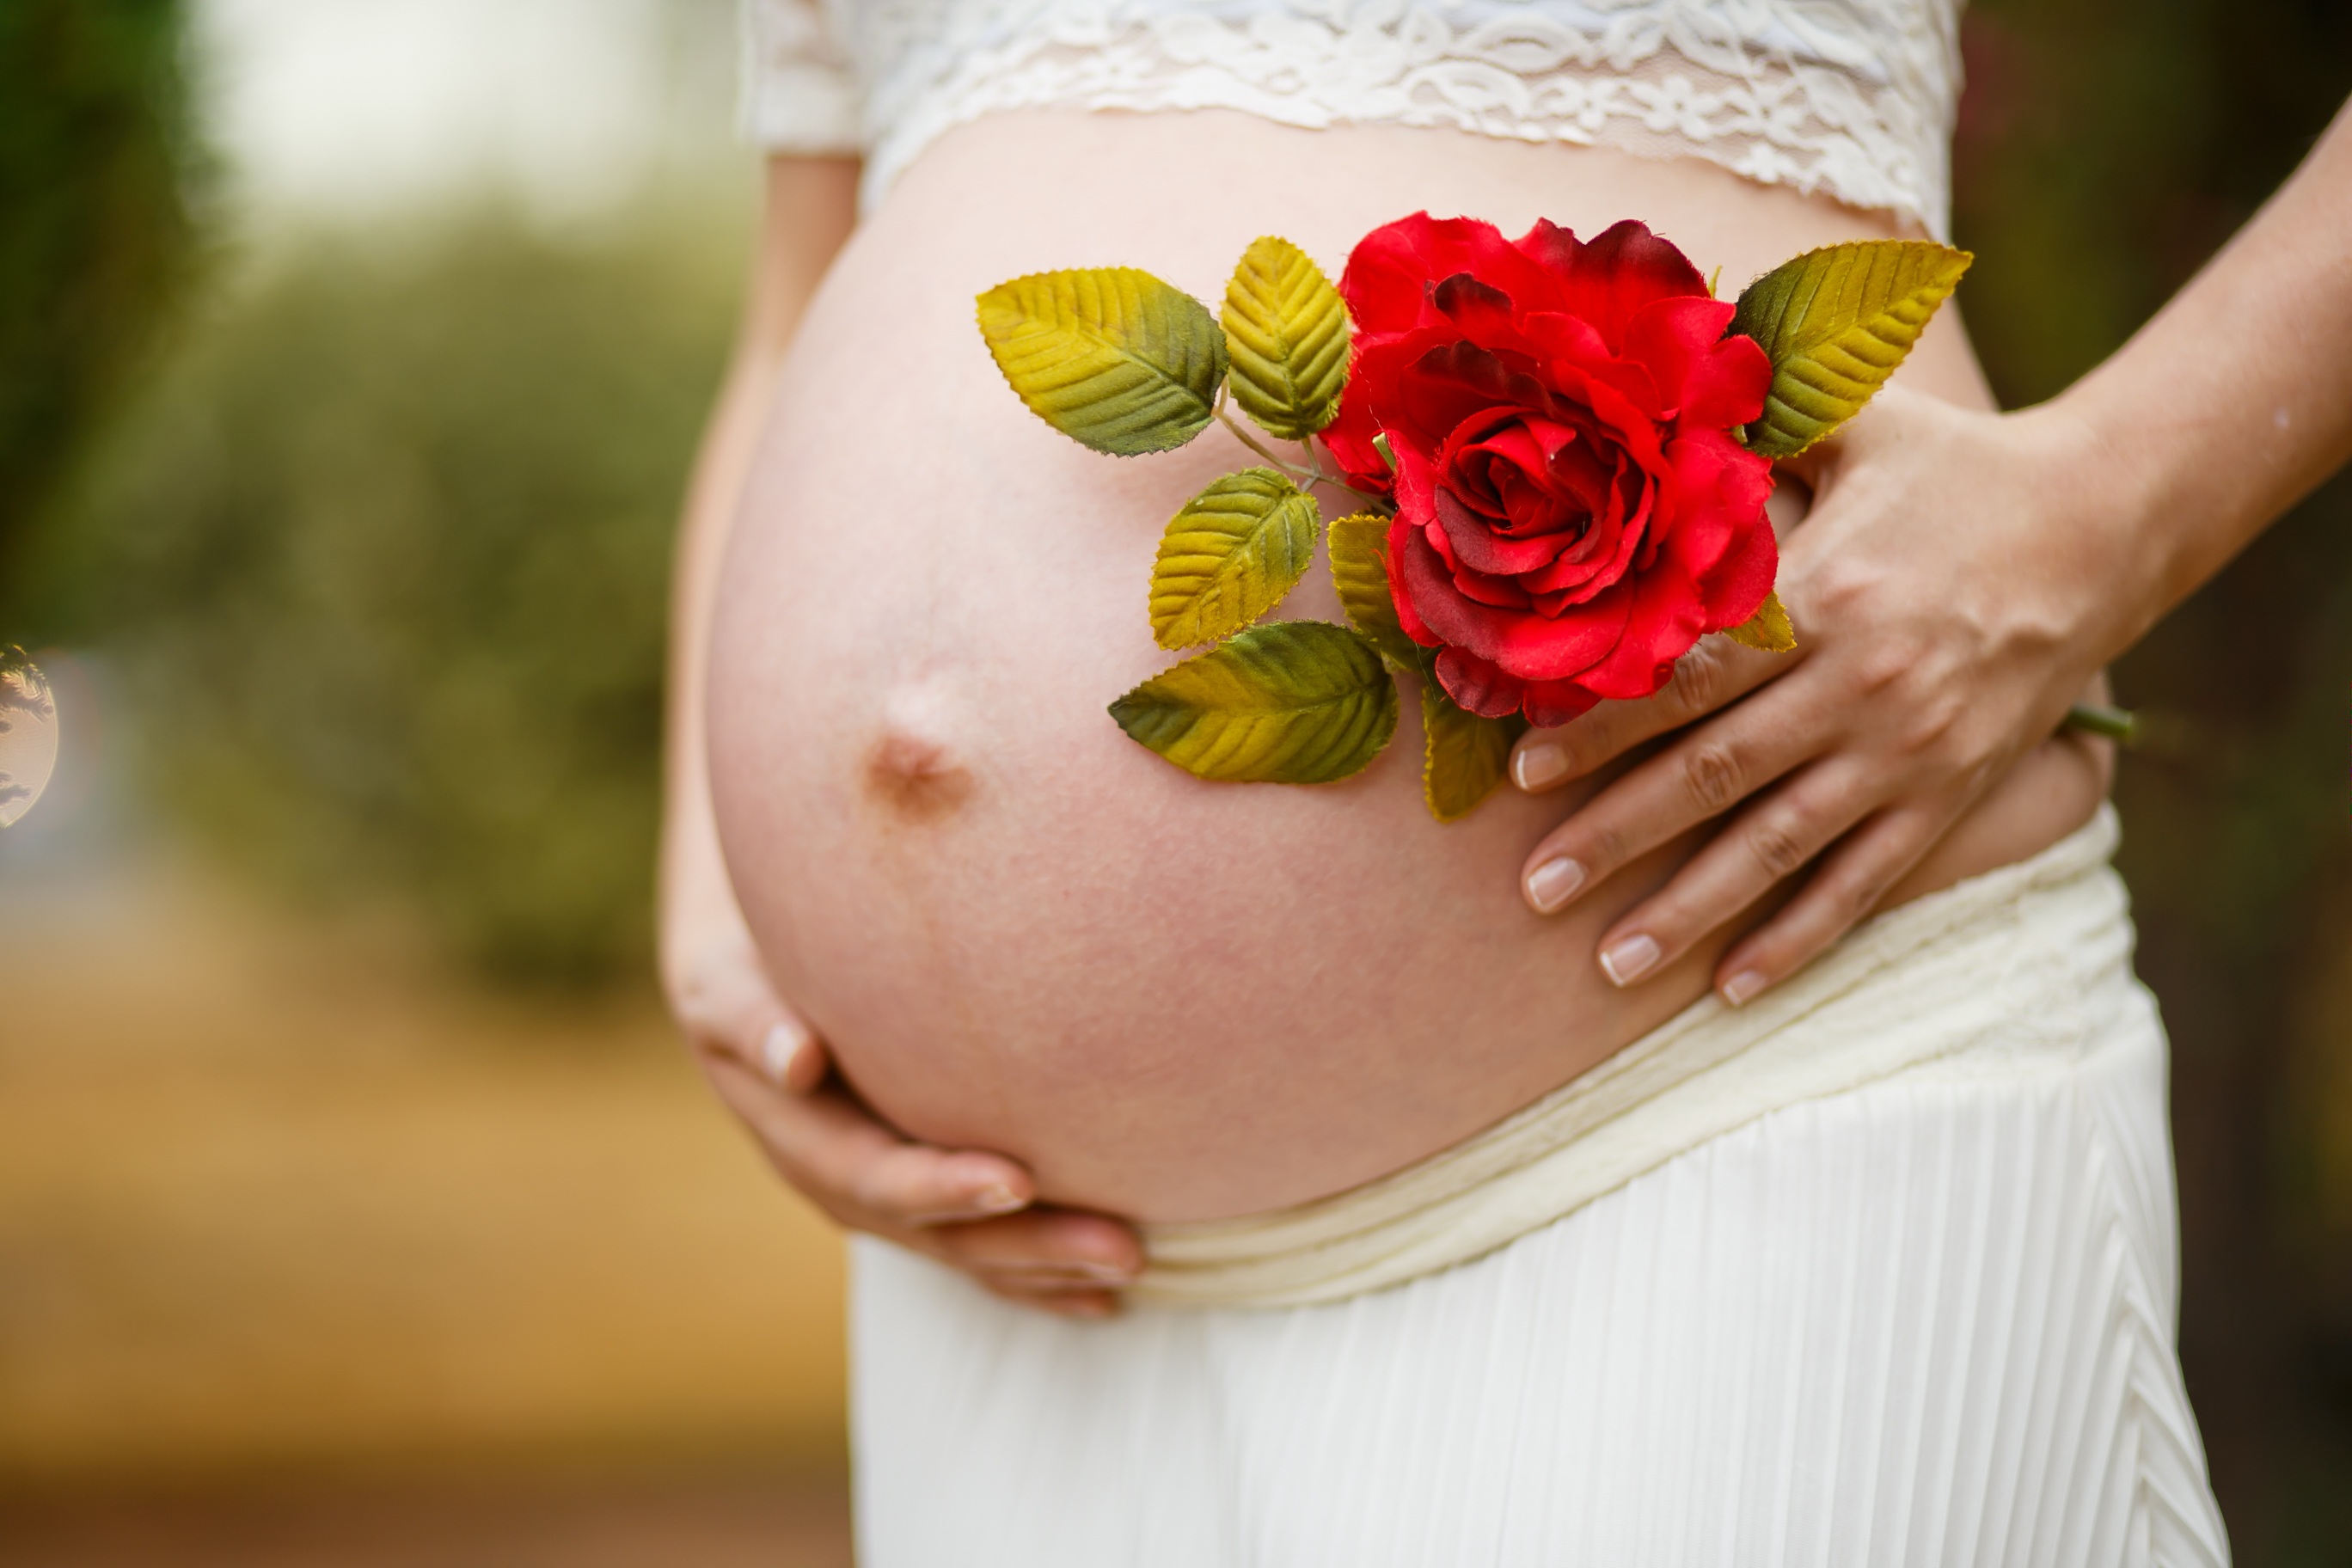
(1552, 703)
(1727, 388)
(1671, 337)
(1558, 335)
(1719, 494)
(1450, 382)
(1548, 647)
(1428, 582)
(1736, 589)
(1476, 546)
(1606, 552)
(1615, 274)
(1579, 390)
(1385, 281)
(1402, 530)
(1348, 439)
(1533, 509)
(1416, 481)
(1481, 311)
(1565, 340)
(1663, 620)
(1497, 591)
(1501, 465)
(1476, 686)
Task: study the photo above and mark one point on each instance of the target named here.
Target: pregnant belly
(1019, 930)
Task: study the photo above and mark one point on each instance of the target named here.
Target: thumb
(791, 1055)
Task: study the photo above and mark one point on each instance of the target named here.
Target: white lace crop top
(1851, 98)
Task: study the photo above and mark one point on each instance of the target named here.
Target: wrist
(696, 905)
(2102, 499)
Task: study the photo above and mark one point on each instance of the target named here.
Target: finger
(1697, 779)
(1847, 889)
(1061, 1303)
(793, 1056)
(914, 1183)
(1715, 672)
(1757, 850)
(835, 1151)
(1068, 1245)
(763, 1035)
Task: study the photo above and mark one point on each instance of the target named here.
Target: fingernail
(1744, 986)
(1554, 882)
(1536, 766)
(1629, 960)
(1104, 1273)
(997, 1198)
(784, 1042)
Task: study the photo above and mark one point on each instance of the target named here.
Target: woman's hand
(968, 1209)
(1962, 576)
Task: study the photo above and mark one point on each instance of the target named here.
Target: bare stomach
(1019, 930)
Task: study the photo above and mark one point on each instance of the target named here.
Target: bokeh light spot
(29, 734)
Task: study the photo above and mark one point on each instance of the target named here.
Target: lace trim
(1851, 98)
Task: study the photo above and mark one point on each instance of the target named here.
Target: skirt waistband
(2035, 954)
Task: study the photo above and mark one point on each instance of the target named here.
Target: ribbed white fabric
(1854, 98)
(1927, 1320)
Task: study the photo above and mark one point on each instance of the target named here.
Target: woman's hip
(1929, 1319)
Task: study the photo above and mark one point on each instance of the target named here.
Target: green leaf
(1290, 703)
(1230, 556)
(1110, 357)
(1835, 322)
(1767, 628)
(1286, 332)
(1464, 756)
(1359, 571)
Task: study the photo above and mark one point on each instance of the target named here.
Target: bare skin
(1015, 929)
(909, 776)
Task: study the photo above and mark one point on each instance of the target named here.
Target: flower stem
(1252, 442)
(1313, 476)
(2115, 723)
(1378, 503)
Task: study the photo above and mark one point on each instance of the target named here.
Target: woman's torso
(1018, 929)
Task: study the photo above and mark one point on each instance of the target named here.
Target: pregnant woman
(1745, 1140)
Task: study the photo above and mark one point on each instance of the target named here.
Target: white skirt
(1927, 1320)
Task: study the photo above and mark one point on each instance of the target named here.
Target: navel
(915, 777)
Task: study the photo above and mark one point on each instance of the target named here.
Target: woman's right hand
(968, 1209)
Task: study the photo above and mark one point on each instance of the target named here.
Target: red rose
(1572, 510)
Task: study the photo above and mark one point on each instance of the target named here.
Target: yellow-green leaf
(1289, 702)
(1110, 357)
(1835, 322)
(1230, 556)
(1359, 571)
(1464, 756)
(1767, 628)
(1286, 333)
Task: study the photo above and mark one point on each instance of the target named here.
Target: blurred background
(356, 1206)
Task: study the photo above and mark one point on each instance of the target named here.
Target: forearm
(810, 209)
(2234, 401)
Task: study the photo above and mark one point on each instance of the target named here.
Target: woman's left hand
(1959, 581)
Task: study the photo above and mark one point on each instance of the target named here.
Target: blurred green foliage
(2107, 147)
(95, 167)
(384, 559)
